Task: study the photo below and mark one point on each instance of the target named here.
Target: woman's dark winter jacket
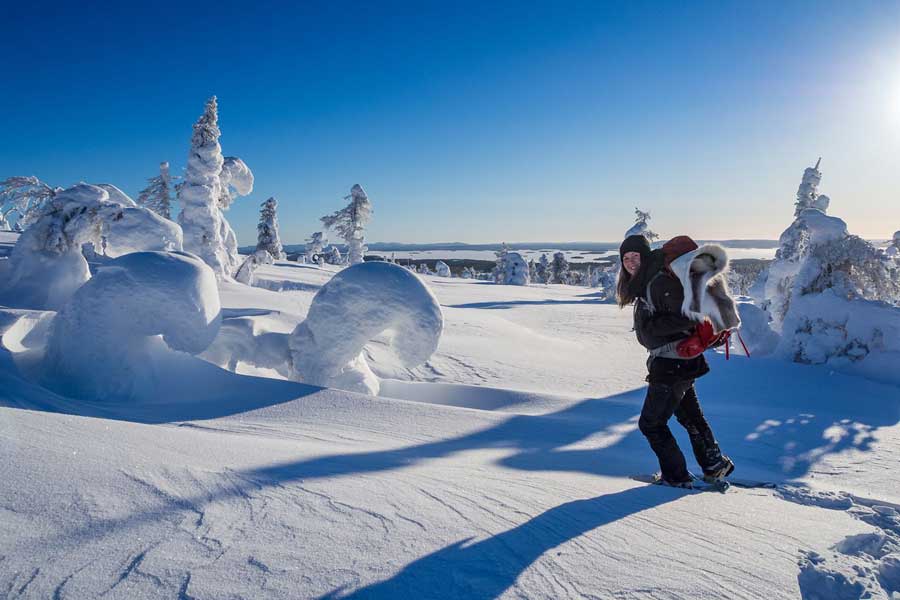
(665, 323)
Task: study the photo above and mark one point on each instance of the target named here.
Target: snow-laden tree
(500, 270)
(811, 227)
(332, 255)
(267, 230)
(314, 246)
(21, 198)
(46, 265)
(641, 226)
(543, 270)
(350, 223)
(893, 249)
(467, 273)
(515, 269)
(424, 270)
(559, 269)
(157, 196)
(246, 272)
(441, 269)
(211, 183)
(807, 193)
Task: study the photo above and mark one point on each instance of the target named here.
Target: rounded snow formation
(755, 330)
(356, 305)
(140, 230)
(102, 342)
(441, 269)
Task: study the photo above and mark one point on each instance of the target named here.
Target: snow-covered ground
(571, 255)
(497, 469)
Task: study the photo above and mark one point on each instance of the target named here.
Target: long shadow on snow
(487, 568)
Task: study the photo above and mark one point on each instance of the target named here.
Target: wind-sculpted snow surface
(46, 265)
(356, 305)
(102, 342)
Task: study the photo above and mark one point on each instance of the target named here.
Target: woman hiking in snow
(657, 283)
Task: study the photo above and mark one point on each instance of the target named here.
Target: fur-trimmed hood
(706, 295)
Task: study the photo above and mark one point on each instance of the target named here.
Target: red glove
(701, 339)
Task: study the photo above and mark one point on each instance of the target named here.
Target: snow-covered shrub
(500, 270)
(251, 263)
(350, 223)
(47, 265)
(755, 330)
(356, 305)
(559, 269)
(101, 342)
(314, 246)
(893, 249)
(267, 230)
(157, 196)
(207, 191)
(441, 269)
(424, 270)
(641, 226)
(467, 273)
(828, 328)
(22, 198)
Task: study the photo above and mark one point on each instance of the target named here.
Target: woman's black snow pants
(678, 398)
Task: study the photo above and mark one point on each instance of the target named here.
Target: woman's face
(632, 262)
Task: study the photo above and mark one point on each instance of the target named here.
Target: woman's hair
(625, 293)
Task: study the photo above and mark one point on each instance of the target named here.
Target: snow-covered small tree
(22, 198)
(424, 270)
(246, 272)
(267, 230)
(807, 193)
(314, 246)
(157, 196)
(641, 226)
(559, 269)
(210, 185)
(893, 249)
(441, 269)
(332, 255)
(532, 270)
(543, 270)
(350, 223)
(500, 270)
(467, 273)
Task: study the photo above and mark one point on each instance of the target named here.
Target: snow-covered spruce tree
(543, 270)
(207, 191)
(811, 227)
(532, 270)
(314, 246)
(467, 273)
(498, 274)
(23, 198)
(808, 190)
(350, 223)
(267, 230)
(559, 269)
(441, 269)
(157, 196)
(641, 226)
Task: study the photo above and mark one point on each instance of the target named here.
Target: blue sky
(475, 122)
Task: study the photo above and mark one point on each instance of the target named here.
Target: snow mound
(102, 342)
(442, 269)
(356, 305)
(138, 229)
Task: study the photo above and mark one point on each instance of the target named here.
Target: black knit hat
(635, 243)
